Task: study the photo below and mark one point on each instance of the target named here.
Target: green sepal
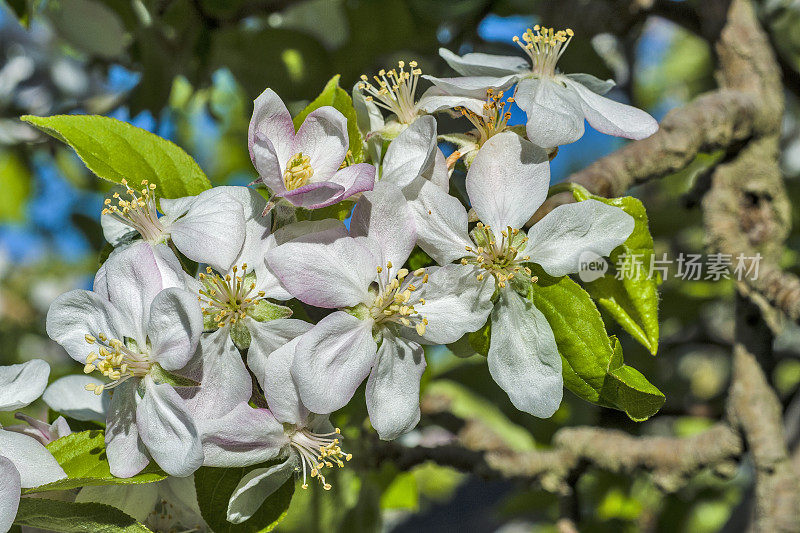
(264, 310)
(240, 335)
(165, 376)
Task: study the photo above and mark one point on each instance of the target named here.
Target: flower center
(116, 361)
(544, 46)
(394, 90)
(396, 299)
(493, 120)
(228, 299)
(139, 212)
(298, 171)
(501, 261)
(317, 451)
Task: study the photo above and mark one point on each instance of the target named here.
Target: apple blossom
(556, 104)
(385, 311)
(507, 182)
(207, 228)
(307, 168)
(144, 327)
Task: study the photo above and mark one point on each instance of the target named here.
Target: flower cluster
(191, 354)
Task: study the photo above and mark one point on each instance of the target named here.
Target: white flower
(137, 326)
(24, 461)
(298, 441)
(507, 182)
(207, 228)
(395, 92)
(556, 104)
(385, 311)
(169, 505)
(307, 168)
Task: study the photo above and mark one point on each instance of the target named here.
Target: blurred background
(188, 70)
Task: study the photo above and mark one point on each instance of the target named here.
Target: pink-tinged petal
(323, 138)
(9, 493)
(613, 118)
(280, 390)
(478, 64)
(325, 269)
(383, 215)
(523, 358)
(223, 377)
(211, 230)
(68, 396)
(554, 112)
(174, 328)
(266, 338)
(36, 466)
(78, 313)
(271, 120)
(508, 181)
(354, 178)
(127, 455)
(557, 241)
(456, 303)
(441, 221)
(243, 437)
(332, 360)
(314, 195)
(168, 431)
(411, 154)
(255, 487)
(22, 384)
(269, 167)
(393, 386)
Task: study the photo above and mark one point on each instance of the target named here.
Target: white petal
(243, 437)
(255, 487)
(393, 386)
(272, 121)
(137, 500)
(594, 84)
(613, 118)
(507, 182)
(9, 494)
(323, 138)
(383, 215)
(78, 313)
(554, 112)
(412, 153)
(441, 221)
(324, 269)
(280, 389)
(270, 358)
(332, 360)
(115, 231)
(68, 396)
(211, 231)
(456, 303)
(438, 99)
(21, 384)
(168, 431)
(557, 240)
(269, 164)
(127, 455)
(174, 328)
(36, 466)
(223, 377)
(439, 174)
(473, 86)
(353, 179)
(477, 64)
(523, 358)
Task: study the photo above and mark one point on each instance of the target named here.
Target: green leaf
(592, 364)
(70, 517)
(633, 300)
(83, 458)
(15, 182)
(335, 96)
(214, 488)
(339, 211)
(116, 150)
